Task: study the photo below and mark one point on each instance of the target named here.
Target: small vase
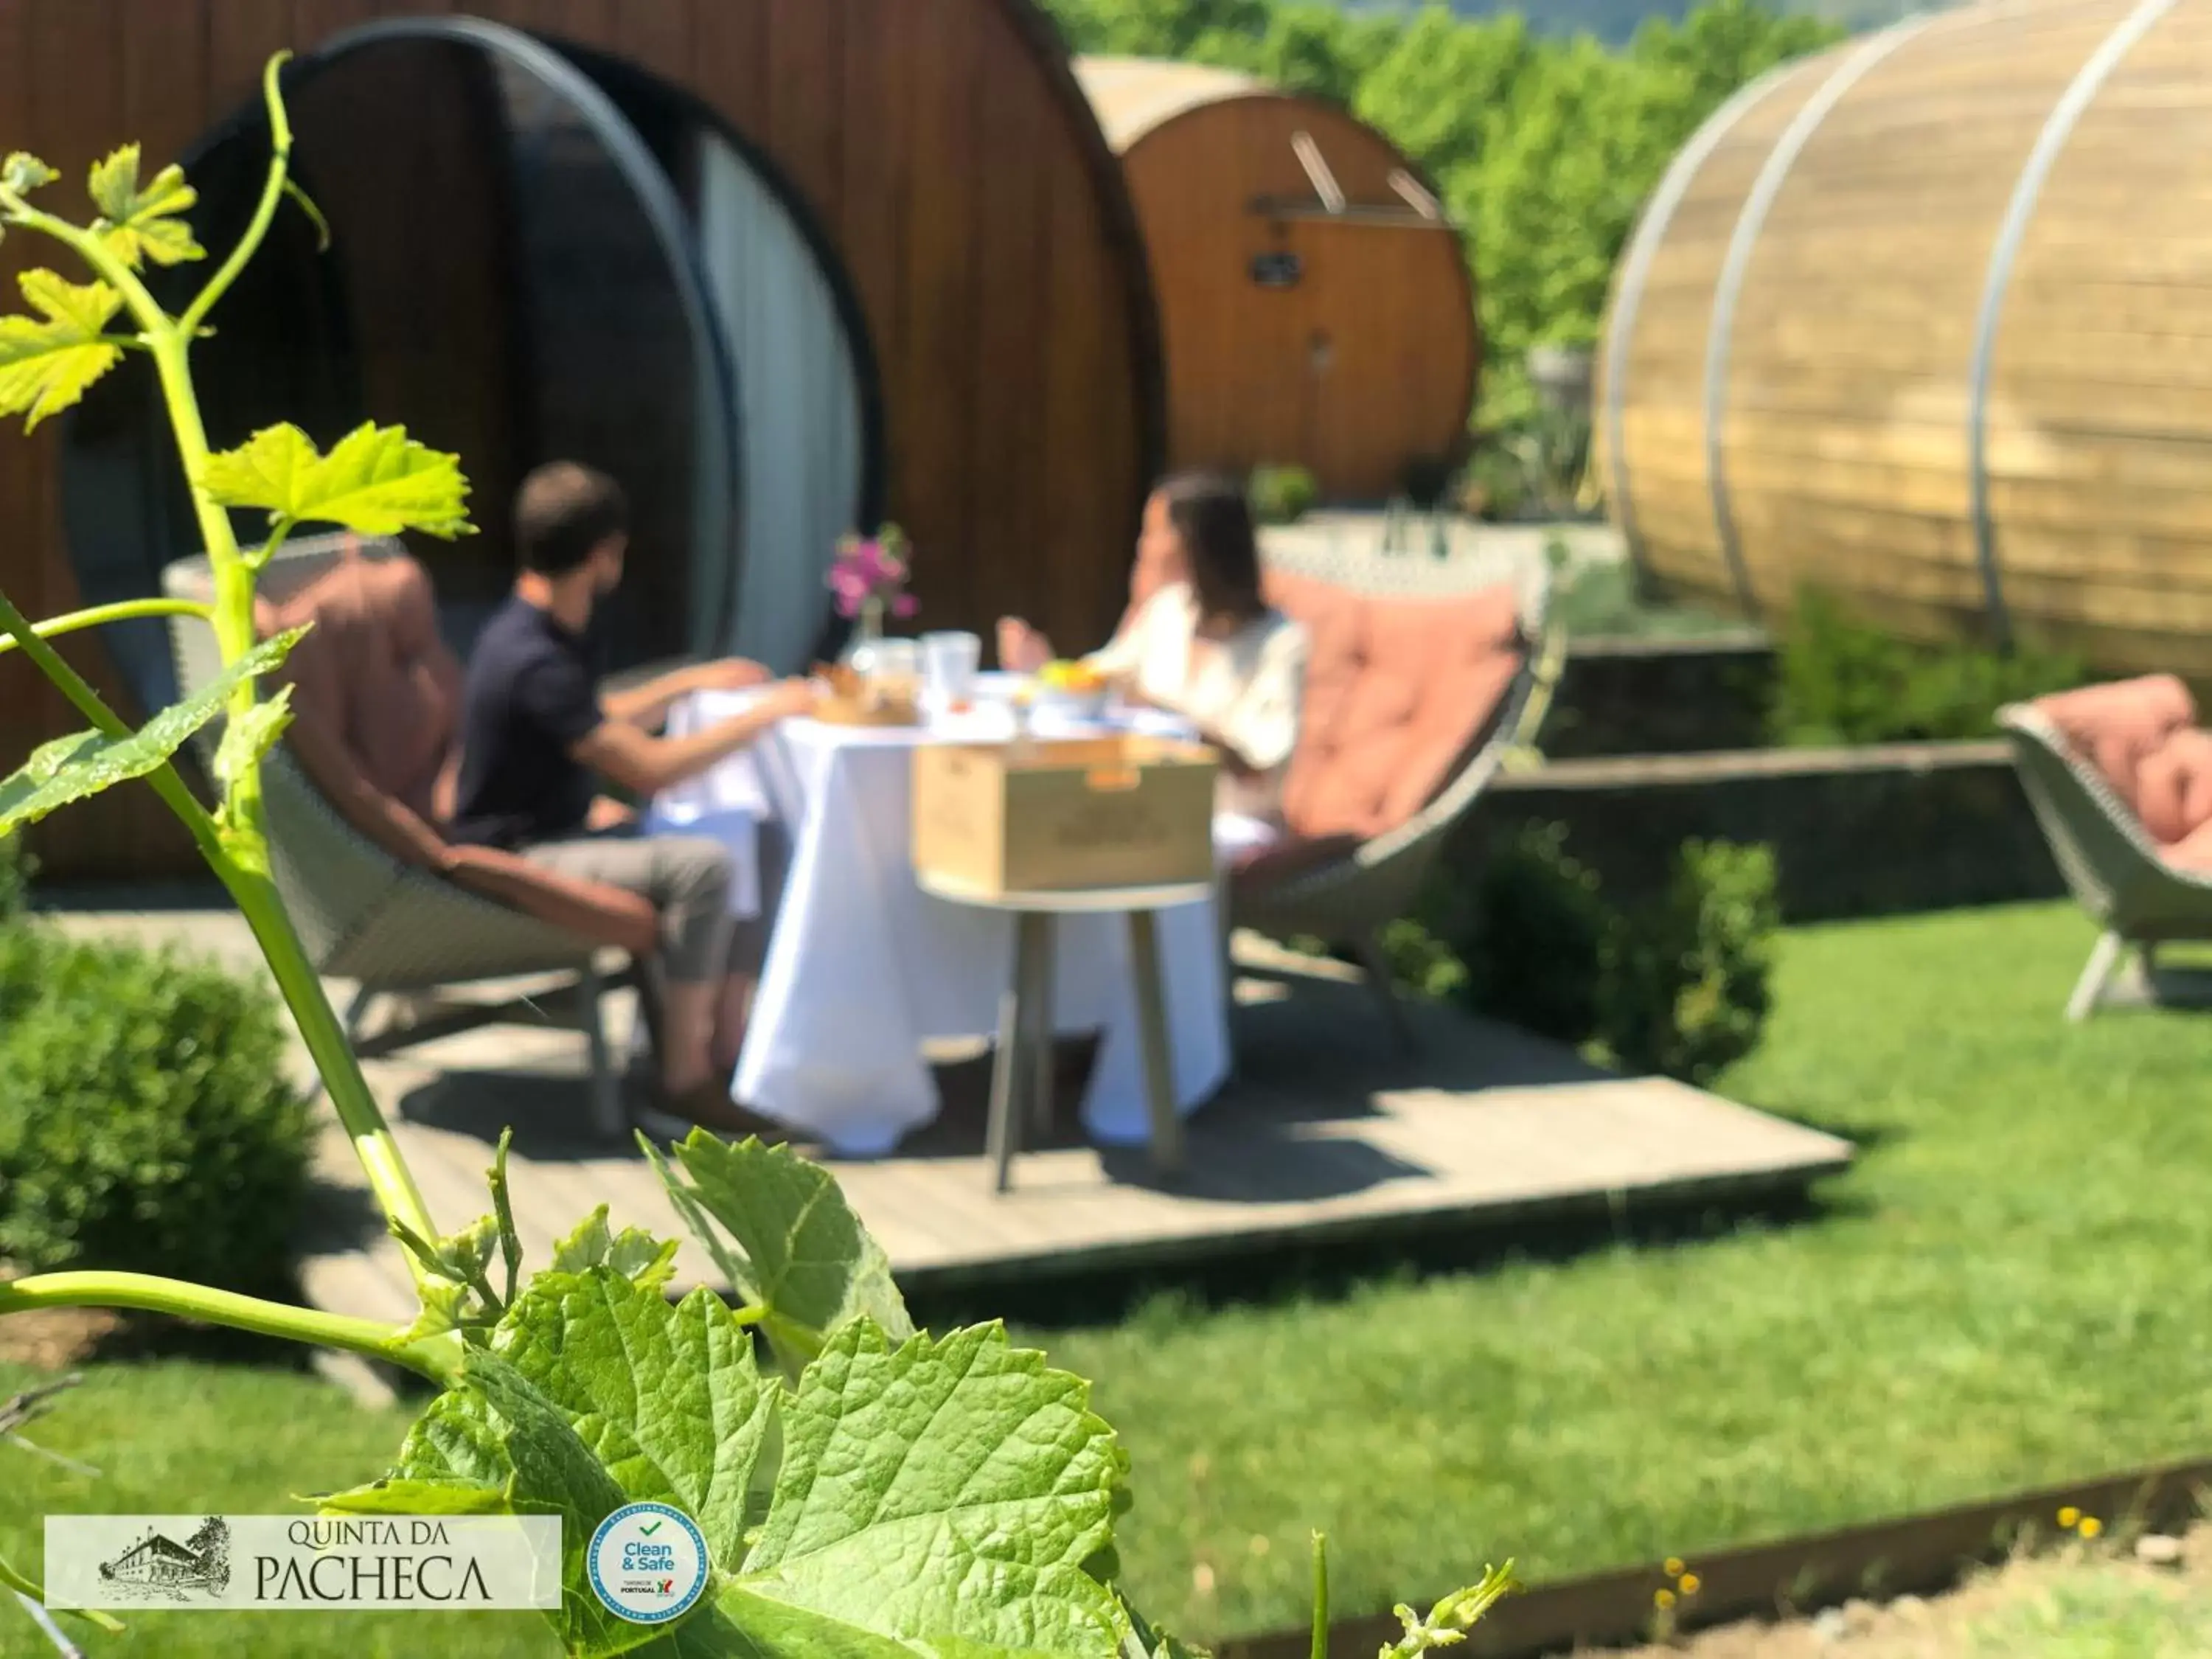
(862, 649)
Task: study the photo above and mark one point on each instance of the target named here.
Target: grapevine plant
(865, 1490)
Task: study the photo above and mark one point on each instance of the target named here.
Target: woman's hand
(1021, 649)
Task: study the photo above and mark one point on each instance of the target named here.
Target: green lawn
(2012, 1288)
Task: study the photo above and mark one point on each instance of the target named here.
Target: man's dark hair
(563, 513)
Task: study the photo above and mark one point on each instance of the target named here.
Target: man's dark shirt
(532, 695)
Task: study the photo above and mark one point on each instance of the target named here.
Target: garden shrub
(1685, 988)
(1842, 681)
(1282, 495)
(1534, 950)
(146, 1122)
(1677, 986)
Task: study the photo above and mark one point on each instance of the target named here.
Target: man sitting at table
(1201, 641)
(537, 732)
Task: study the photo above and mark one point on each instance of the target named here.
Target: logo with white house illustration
(157, 1568)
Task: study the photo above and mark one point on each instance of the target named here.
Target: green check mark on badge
(647, 1532)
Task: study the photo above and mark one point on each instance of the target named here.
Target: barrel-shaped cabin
(1925, 321)
(787, 267)
(1315, 298)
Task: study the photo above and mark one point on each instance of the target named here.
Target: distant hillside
(1614, 20)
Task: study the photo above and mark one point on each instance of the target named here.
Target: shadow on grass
(1322, 1272)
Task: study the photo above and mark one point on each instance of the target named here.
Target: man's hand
(1021, 649)
(608, 813)
(792, 699)
(731, 674)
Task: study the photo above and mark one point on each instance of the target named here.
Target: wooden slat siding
(656, 34)
(1848, 406)
(242, 35)
(730, 43)
(800, 50)
(1010, 294)
(872, 108)
(1396, 305)
(934, 397)
(314, 21)
(76, 115)
(867, 208)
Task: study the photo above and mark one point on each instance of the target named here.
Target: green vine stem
(99, 616)
(436, 1357)
(237, 849)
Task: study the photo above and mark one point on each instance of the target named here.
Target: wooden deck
(1325, 1137)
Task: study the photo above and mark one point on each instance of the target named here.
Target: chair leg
(608, 1118)
(1376, 962)
(1044, 1025)
(2096, 973)
(1225, 916)
(1152, 1031)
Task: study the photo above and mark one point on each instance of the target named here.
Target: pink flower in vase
(872, 571)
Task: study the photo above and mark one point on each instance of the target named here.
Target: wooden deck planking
(1323, 1139)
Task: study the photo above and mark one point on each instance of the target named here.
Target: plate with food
(1069, 690)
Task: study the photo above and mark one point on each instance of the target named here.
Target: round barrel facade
(1925, 322)
(1314, 299)
(902, 211)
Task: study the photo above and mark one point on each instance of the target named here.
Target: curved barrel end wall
(1925, 321)
(943, 148)
(1338, 335)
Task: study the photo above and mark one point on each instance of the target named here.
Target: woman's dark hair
(1211, 514)
(563, 513)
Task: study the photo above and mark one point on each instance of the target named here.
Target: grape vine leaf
(802, 1255)
(633, 1253)
(72, 768)
(24, 172)
(376, 480)
(48, 361)
(951, 1487)
(137, 224)
(930, 1498)
(494, 1432)
(416, 1498)
(670, 1401)
(246, 743)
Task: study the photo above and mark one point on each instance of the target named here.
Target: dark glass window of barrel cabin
(492, 283)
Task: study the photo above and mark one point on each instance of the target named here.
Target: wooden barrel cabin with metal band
(1925, 321)
(786, 266)
(1316, 301)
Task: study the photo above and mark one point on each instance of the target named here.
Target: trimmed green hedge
(1677, 986)
(146, 1122)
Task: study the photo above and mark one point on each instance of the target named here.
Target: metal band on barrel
(1741, 246)
(2050, 143)
(1650, 236)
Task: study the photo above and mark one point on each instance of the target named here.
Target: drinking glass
(949, 663)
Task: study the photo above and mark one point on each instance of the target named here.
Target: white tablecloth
(863, 967)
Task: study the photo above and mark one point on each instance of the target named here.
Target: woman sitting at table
(1201, 641)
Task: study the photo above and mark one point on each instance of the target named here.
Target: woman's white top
(1248, 690)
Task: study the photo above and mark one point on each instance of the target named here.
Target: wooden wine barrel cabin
(1926, 321)
(788, 267)
(1314, 299)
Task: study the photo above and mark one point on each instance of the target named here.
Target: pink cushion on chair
(1397, 692)
(2116, 726)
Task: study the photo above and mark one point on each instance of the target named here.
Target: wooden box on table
(1054, 816)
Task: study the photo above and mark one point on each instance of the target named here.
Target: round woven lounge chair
(2132, 888)
(377, 895)
(1344, 888)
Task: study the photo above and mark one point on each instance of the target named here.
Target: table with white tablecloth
(863, 967)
